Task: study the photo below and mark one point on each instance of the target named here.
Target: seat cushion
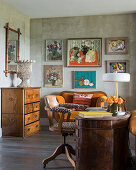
(67, 127)
(84, 99)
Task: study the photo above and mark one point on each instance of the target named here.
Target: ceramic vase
(24, 72)
(114, 109)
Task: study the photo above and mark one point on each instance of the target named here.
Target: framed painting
(119, 66)
(53, 75)
(116, 45)
(54, 50)
(85, 79)
(12, 51)
(84, 52)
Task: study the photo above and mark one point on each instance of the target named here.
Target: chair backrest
(50, 102)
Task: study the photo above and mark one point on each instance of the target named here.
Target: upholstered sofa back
(68, 96)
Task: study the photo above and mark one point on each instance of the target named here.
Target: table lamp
(116, 77)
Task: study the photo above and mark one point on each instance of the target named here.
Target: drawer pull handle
(29, 118)
(28, 129)
(29, 108)
(12, 119)
(36, 106)
(12, 99)
(37, 95)
(36, 125)
(29, 96)
(35, 115)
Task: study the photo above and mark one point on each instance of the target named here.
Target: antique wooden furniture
(12, 47)
(20, 111)
(63, 126)
(102, 143)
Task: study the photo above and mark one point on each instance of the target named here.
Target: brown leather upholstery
(132, 122)
(95, 100)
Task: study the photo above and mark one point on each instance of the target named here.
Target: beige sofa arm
(132, 122)
(100, 101)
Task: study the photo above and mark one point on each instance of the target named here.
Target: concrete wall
(83, 27)
(16, 20)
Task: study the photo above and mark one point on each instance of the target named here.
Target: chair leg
(68, 154)
(71, 149)
(58, 151)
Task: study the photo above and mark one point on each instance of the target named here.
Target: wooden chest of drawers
(20, 111)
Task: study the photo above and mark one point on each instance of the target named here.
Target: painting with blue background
(85, 79)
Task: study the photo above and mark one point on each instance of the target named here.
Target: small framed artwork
(85, 79)
(54, 50)
(119, 66)
(84, 52)
(116, 45)
(53, 75)
(12, 51)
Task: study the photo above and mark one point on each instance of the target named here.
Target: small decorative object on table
(113, 104)
(24, 72)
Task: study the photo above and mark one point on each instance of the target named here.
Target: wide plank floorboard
(28, 153)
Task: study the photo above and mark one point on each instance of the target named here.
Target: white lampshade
(116, 77)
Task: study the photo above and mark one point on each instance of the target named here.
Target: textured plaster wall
(16, 20)
(84, 27)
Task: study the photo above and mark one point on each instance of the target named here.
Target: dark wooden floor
(28, 153)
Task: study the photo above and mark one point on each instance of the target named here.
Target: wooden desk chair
(63, 126)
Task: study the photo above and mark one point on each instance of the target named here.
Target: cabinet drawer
(29, 118)
(32, 95)
(32, 128)
(28, 108)
(36, 106)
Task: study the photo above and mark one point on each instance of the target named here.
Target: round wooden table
(102, 143)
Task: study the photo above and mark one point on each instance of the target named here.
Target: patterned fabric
(62, 110)
(66, 126)
(84, 99)
(69, 105)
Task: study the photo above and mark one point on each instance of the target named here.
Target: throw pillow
(84, 99)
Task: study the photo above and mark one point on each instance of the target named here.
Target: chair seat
(67, 127)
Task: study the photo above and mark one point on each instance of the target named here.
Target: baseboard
(44, 121)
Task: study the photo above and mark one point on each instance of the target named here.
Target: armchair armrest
(100, 101)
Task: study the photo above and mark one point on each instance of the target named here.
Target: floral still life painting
(84, 52)
(119, 66)
(53, 76)
(116, 45)
(85, 79)
(53, 50)
(12, 51)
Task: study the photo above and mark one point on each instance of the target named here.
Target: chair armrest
(100, 101)
(69, 105)
(132, 122)
(61, 110)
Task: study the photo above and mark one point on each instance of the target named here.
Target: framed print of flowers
(53, 50)
(53, 75)
(119, 66)
(12, 51)
(84, 52)
(116, 45)
(85, 79)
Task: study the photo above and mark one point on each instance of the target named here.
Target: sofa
(96, 100)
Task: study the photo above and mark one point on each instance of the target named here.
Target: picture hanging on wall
(116, 46)
(84, 52)
(85, 79)
(121, 66)
(54, 50)
(53, 75)
(12, 51)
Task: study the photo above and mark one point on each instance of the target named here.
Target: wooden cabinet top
(20, 88)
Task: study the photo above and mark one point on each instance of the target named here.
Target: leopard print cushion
(66, 126)
(69, 105)
(60, 109)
